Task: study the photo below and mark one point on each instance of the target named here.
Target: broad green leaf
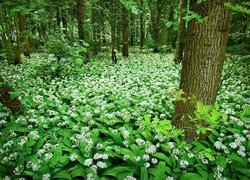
(144, 174)
(190, 176)
(78, 61)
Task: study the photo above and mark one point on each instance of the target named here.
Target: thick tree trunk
(142, 32)
(181, 32)
(80, 18)
(125, 32)
(24, 38)
(5, 98)
(203, 60)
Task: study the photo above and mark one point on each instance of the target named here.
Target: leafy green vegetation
(112, 122)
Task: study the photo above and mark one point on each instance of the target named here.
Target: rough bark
(113, 23)
(5, 98)
(170, 30)
(96, 29)
(142, 32)
(125, 32)
(203, 60)
(181, 32)
(80, 18)
(23, 34)
(17, 55)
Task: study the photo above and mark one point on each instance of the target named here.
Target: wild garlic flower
(73, 157)
(46, 176)
(88, 162)
(184, 163)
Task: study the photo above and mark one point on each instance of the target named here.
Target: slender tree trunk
(132, 29)
(170, 30)
(181, 32)
(80, 18)
(64, 21)
(5, 98)
(58, 19)
(203, 61)
(125, 32)
(17, 57)
(96, 29)
(24, 37)
(113, 22)
(142, 32)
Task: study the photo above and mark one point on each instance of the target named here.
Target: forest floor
(75, 112)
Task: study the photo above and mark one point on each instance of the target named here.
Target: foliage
(112, 122)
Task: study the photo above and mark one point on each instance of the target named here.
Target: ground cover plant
(124, 89)
(112, 122)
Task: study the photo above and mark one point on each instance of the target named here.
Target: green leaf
(190, 176)
(65, 133)
(78, 61)
(144, 174)
(62, 175)
(115, 171)
(163, 157)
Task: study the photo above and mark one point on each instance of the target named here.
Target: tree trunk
(132, 29)
(17, 56)
(80, 18)
(24, 37)
(181, 32)
(170, 30)
(64, 21)
(5, 98)
(203, 60)
(125, 32)
(96, 29)
(142, 32)
(113, 23)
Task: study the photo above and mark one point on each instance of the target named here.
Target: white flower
(151, 149)
(94, 168)
(88, 162)
(35, 135)
(137, 158)
(147, 165)
(233, 145)
(154, 161)
(146, 157)
(130, 178)
(73, 157)
(125, 143)
(241, 153)
(205, 161)
(190, 155)
(184, 163)
(126, 157)
(100, 156)
(35, 166)
(90, 177)
(48, 156)
(217, 144)
(169, 178)
(171, 145)
(101, 165)
(46, 177)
